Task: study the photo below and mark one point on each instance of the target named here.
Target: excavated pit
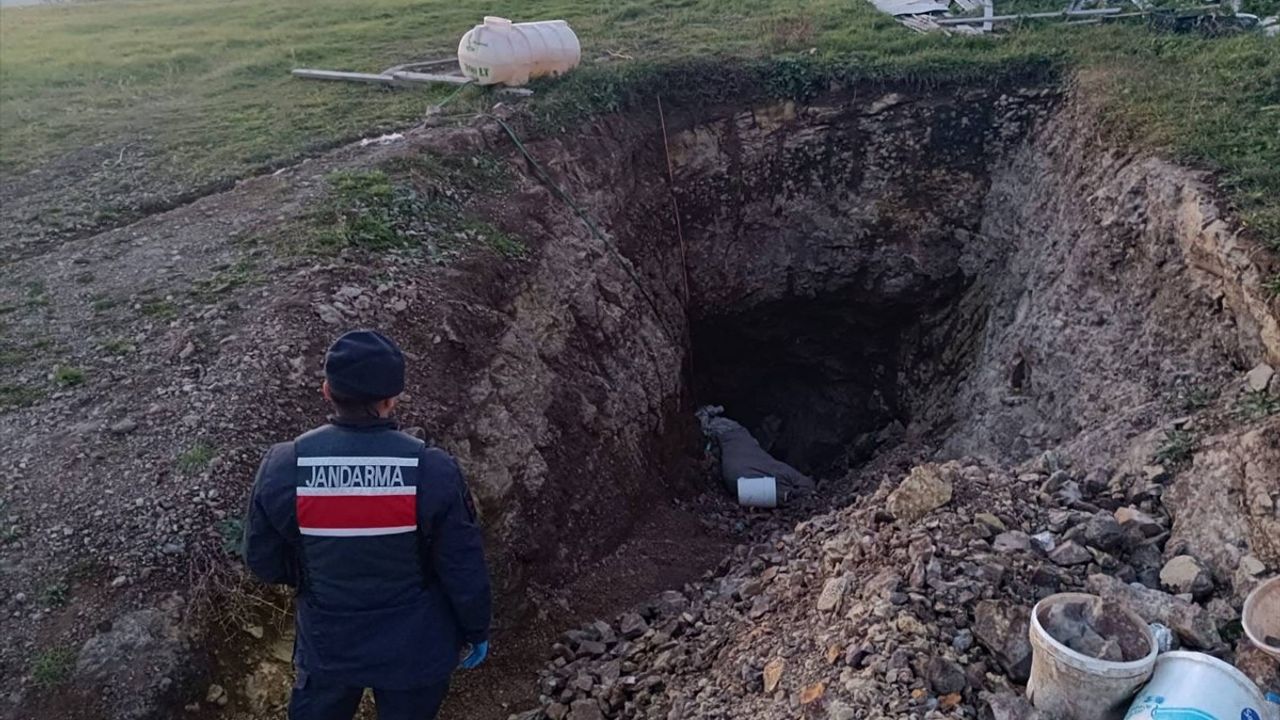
(942, 267)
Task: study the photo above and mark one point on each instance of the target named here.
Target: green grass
(231, 531)
(52, 667)
(158, 308)
(366, 209)
(8, 532)
(1272, 285)
(201, 88)
(416, 205)
(1177, 447)
(1257, 404)
(195, 458)
(16, 396)
(118, 346)
(55, 594)
(1197, 397)
(67, 376)
(238, 274)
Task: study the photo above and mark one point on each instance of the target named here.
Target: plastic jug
(1195, 686)
(500, 51)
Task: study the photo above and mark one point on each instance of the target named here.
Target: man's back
(377, 534)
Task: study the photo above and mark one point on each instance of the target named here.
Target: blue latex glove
(479, 652)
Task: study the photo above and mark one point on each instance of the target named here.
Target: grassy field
(204, 84)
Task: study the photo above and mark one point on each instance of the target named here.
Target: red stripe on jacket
(356, 511)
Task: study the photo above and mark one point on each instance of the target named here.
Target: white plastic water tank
(500, 51)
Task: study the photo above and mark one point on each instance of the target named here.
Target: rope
(545, 179)
(675, 204)
(452, 95)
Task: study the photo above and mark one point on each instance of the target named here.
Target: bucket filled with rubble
(1261, 617)
(1089, 657)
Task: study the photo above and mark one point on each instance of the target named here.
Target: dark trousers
(314, 701)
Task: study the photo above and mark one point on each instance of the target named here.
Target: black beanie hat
(364, 365)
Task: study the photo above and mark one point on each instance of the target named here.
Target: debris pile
(914, 600)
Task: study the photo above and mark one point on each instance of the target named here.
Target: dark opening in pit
(813, 379)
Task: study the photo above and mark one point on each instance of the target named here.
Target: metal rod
(343, 76)
(1027, 16)
(416, 77)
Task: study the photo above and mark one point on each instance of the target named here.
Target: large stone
(945, 676)
(1100, 531)
(1012, 541)
(1259, 378)
(1133, 519)
(1184, 574)
(772, 674)
(585, 710)
(1192, 624)
(926, 488)
(137, 660)
(1002, 628)
(832, 592)
(1070, 553)
(632, 626)
(1008, 706)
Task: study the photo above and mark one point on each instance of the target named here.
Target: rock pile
(913, 601)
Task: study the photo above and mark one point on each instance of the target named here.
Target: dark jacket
(377, 533)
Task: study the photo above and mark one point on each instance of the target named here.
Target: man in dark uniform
(376, 532)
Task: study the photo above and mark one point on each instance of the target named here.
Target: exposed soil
(878, 278)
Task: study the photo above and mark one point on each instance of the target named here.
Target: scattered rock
(125, 426)
(926, 488)
(632, 626)
(216, 694)
(1184, 574)
(137, 659)
(1008, 706)
(1100, 531)
(946, 676)
(773, 674)
(812, 693)
(585, 710)
(1070, 553)
(991, 521)
(832, 591)
(1192, 624)
(1131, 518)
(1259, 378)
(1012, 541)
(1002, 628)
(1098, 629)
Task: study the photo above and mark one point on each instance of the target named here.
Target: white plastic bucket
(1261, 616)
(759, 492)
(500, 51)
(1073, 686)
(1195, 686)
